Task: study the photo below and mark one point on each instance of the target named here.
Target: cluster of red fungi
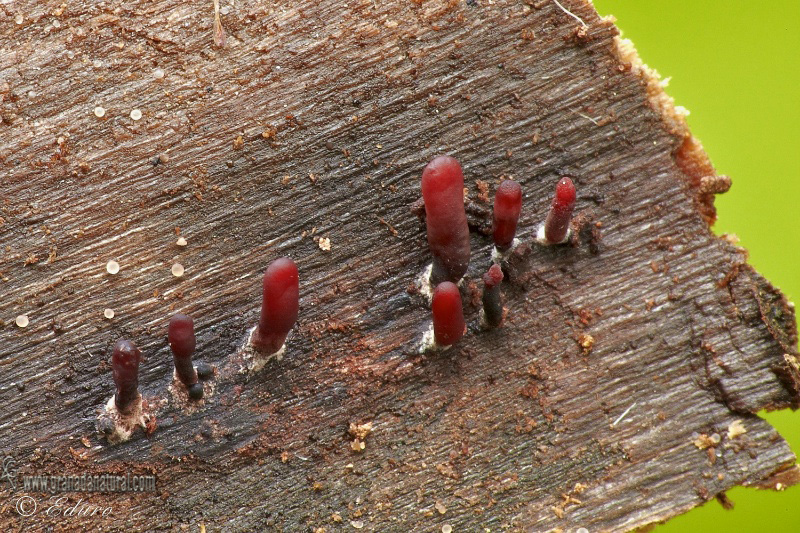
(448, 237)
(280, 304)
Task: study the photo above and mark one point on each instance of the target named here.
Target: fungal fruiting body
(492, 304)
(279, 307)
(507, 206)
(125, 410)
(556, 226)
(125, 360)
(448, 316)
(182, 342)
(446, 221)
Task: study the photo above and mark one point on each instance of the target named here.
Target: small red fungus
(280, 306)
(492, 304)
(125, 359)
(557, 223)
(448, 316)
(182, 342)
(448, 232)
(507, 206)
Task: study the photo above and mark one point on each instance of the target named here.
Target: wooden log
(614, 396)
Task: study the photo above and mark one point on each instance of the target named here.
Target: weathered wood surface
(314, 121)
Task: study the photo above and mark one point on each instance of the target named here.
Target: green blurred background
(736, 67)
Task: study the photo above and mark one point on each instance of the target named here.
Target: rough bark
(314, 122)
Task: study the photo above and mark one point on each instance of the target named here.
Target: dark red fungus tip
(125, 359)
(445, 218)
(565, 193)
(279, 307)
(448, 316)
(507, 206)
(182, 342)
(494, 276)
(492, 301)
(557, 223)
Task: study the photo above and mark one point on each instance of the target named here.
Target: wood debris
(735, 429)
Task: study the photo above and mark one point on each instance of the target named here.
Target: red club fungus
(182, 343)
(507, 206)
(557, 223)
(125, 360)
(448, 233)
(280, 306)
(492, 304)
(448, 316)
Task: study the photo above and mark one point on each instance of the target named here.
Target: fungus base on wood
(118, 427)
(253, 359)
(180, 394)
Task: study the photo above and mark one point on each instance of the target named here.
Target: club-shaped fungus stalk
(279, 307)
(446, 221)
(182, 342)
(507, 206)
(492, 302)
(125, 359)
(556, 227)
(448, 316)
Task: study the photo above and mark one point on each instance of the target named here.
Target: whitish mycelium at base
(117, 426)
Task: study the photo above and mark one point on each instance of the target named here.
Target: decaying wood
(604, 402)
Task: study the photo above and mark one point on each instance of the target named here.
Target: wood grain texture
(315, 121)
